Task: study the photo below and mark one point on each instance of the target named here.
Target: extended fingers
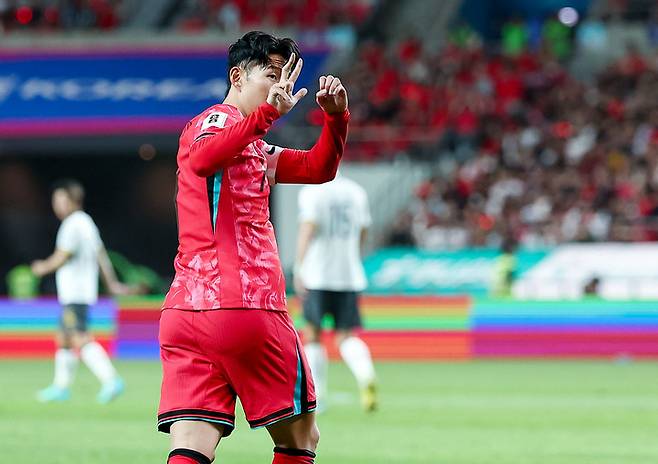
(285, 71)
(301, 93)
(297, 71)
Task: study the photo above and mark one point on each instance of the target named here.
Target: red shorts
(210, 357)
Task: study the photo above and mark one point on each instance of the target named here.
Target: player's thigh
(299, 432)
(267, 366)
(73, 318)
(314, 307)
(75, 321)
(194, 384)
(345, 310)
(312, 333)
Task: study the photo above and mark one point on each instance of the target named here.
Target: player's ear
(235, 75)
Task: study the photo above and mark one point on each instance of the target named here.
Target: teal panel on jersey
(298, 386)
(216, 190)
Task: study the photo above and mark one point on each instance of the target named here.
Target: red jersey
(227, 254)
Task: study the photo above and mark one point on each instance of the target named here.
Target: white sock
(65, 364)
(98, 362)
(316, 356)
(356, 355)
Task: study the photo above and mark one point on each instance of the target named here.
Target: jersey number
(340, 222)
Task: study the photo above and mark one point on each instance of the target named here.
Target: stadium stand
(187, 16)
(520, 148)
(230, 15)
(59, 15)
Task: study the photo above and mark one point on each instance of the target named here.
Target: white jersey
(340, 211)
(77, 279)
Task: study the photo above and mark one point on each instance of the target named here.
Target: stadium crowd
(230, 15)
(189, 16)
(55, 15)
(521, 150)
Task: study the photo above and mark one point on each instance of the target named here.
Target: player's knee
(80, 339)
(305, 437)
(62, 340)
(202, 437)
(314, 438)
(310, 439)
(312, 339)
(341, 336)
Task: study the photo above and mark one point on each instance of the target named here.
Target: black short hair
(255, 48)
(73, 189)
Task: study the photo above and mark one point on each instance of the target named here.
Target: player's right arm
(220, 147)
(42, 267)
(308, 218)
(66, 245)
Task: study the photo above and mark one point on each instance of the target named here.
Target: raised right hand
(281, 96)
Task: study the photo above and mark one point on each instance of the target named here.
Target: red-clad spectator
(386, 88)
(633, 64)
(615, 109)
(409, 50)
(465, 121)
(509, 86)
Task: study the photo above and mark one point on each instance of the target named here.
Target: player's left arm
(320, 163)
(109, 276)
(362, 239)
(43, 267)
(366, 221)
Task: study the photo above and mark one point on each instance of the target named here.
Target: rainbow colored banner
(27, 328)
(588, 328)
(395, 328)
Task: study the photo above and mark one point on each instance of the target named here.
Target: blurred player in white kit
(329, 276)
(79, 253)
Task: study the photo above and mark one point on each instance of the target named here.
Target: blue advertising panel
(114, 91)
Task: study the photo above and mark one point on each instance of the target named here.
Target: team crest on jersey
(214, 120)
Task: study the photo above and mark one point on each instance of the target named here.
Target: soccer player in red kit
(224, 329)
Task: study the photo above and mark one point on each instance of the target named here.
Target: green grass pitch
(454, 413)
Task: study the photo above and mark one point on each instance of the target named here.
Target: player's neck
(232, 99)
(71, 213)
